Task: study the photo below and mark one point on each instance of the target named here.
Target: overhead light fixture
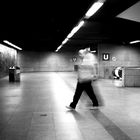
(94, 8)
(58, 48)
(136, 41)
(11, 44)
(65, 41)
(75, 29)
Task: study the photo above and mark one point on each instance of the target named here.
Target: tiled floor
(34, 109)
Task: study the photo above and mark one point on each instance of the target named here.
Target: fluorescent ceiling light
(93, 9)
(89, 13)
(75, 29)
(58, 48)
(65, 41)
(11, 44)
(136, 41)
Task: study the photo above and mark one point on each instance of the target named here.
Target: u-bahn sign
(105, 56)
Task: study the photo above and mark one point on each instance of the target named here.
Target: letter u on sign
(105, 56)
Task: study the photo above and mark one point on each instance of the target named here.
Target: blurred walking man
(87, 72)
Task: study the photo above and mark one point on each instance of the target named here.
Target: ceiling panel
(43, 25)
(132, 13)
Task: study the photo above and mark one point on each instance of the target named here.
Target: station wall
(8, 58)
(45, 61)
(111, 56)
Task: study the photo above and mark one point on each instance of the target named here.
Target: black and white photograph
(70, 70)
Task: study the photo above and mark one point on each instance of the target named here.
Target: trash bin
(14, 74)
(11, 74)
(75, 67)
(17, 74)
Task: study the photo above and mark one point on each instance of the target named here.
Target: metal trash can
(17, 74)
(75, 67)
(14, 74)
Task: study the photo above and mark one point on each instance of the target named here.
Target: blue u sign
(105, 56)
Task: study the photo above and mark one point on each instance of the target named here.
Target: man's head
(83, 52)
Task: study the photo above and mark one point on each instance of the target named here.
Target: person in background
(87, 72)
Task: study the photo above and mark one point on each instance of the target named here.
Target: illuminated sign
(74, 59)
(105, 56)
(114, 59)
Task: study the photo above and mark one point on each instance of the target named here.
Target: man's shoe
(70, 108)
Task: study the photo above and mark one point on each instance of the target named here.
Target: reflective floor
(34, 109)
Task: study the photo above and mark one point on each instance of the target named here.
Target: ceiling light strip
(93, 9)
(11, 44)
(136, 41)
(75, 29)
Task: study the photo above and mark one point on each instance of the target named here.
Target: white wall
(124, 56)
(45, 61)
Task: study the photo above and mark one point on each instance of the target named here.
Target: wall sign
(105, 56)
(74, 59)
(114, 59)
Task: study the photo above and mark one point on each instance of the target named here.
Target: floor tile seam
(7, 122)
(124, 128)
(54, 126)
(99, 127)
(111, 127)
(81, 135)
(30, 126)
